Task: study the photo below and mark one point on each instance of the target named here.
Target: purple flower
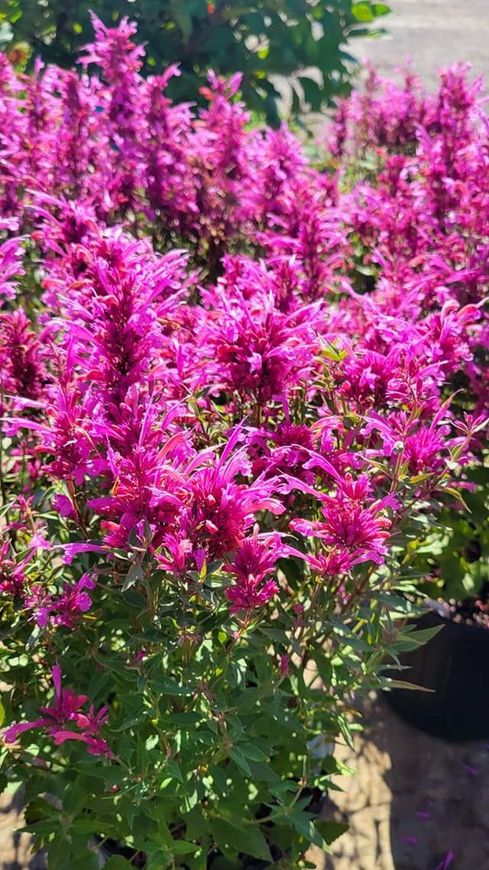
(66, 709)
(251, 566)
(74, 601)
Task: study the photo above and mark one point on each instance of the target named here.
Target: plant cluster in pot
(454, 663)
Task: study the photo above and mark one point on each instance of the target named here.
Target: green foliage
(262, 39)
(454, 552)
(215, 745)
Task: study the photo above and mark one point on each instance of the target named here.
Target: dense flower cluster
(229, 379)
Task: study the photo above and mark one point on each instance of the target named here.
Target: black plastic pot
(455, 665)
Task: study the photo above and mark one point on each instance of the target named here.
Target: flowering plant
(432, 154)
(255, 36)
(217, 462)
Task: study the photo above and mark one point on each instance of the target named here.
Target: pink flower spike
(254, 561)
(14, 731)
(72, 550)
(95, 745)
(63, 505)
(66, 709)
(57, 676)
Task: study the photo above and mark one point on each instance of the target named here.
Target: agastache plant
(238, 389)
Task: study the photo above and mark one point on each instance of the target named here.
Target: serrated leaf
(247, 839)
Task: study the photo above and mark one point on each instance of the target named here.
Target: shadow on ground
(14, 847)
(416, 802)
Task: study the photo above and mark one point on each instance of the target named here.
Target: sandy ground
(15, 851)
(415, 803)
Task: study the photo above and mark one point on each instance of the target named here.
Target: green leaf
(381, 9)
(181, 847)
(247, 839)
(133, 576)
(304, 825)
(186, 720)
(422, 635)
(240, 760)
(403, 684)
(250, 750)
(173, 769)
(39, 828)
(2, 714)
(330, 830)
(362, 11)
(166, 686)
(323, 665)
(457, 495)
(313, 92)
(102, 826)
(413, 639)
(263, 772)
(117, 862)
(196, 823)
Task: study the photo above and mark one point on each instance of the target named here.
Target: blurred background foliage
(303, 41)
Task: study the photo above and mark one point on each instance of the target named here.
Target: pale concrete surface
(414, 803)
(433, 34)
